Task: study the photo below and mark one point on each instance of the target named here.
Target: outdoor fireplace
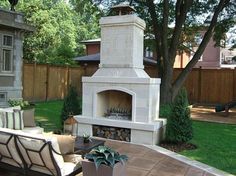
(120, 95)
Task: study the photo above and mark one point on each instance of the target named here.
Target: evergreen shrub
(72, 104)
(179, 125)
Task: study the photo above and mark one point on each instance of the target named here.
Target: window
(6, 53)
(6, 60)
(7, 40)
(3, 96)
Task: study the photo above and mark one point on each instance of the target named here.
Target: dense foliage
(179, 125)
(72, 104)
(59, 27)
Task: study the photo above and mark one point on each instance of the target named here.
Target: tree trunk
(166, 85)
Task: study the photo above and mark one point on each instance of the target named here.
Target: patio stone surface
(145, 161)
(207, 113)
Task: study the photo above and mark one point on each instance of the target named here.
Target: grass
(216, 142)
(47, 114)
(216, 145)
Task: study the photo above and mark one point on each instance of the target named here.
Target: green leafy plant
(18, 102)
(86, 138)
(71, 105)
(105, 155)
(179, 125)
(165, 110)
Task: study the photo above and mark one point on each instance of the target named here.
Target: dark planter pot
(28, 116)
(89, 169)
(86, 140)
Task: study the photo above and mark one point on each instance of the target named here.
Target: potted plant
(86, 138)
(104, 161)
(28, 111)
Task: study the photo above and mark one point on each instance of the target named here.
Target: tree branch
(207, 36)
(182, 7)
(164, 36)
(156, 29)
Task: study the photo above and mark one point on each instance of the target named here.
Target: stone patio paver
(207, 113)
(148, 161)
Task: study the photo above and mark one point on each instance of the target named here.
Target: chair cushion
(14, 120)
(73, 158)
(8, 147)
(1, 120)
(66, 143)
(39, 151)
(3, 116)
(33, 130)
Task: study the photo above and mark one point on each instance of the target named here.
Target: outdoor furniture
(35, 155)
(83, 148)
(31, 129)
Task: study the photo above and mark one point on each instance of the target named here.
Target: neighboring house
(12, 28)
(226, 57)
(213, 57)
(93, 55)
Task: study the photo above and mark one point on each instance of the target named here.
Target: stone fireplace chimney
(121, 95)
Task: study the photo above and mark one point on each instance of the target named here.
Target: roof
(89, 58)
(96, 58)
(12, 19)
(92, 41)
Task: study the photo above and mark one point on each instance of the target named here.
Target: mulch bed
(178, 147)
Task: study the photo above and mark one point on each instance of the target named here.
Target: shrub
(72, 104)
(165, 111)
(19, 102)
(179, 125)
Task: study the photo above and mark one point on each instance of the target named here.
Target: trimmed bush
(179, 125)
(72, 104)
(165, 111)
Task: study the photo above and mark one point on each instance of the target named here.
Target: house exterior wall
(93, 48)
(210, 57)
(11, 24)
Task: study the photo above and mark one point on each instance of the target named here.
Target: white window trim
(5, 97)
(2, 47)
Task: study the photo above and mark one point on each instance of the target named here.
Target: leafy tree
(174, 24)
(71, 105)
(179, 125)
(58, 30)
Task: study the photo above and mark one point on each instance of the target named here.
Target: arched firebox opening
(114, 104)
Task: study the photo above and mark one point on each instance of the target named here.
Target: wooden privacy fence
(44, 82)
(210, 85)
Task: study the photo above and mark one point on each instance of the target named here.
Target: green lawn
(48, 115)
(216, 145)
(216, 142)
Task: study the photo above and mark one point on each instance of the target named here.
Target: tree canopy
(60, 26)
(175, 25)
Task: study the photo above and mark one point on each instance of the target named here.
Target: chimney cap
(122, 9)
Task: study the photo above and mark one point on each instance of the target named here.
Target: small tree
(71, 105)
(179, 125)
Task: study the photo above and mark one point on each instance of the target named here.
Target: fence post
(199, 84)
(47, 84)
(234, 84)
(68, 81)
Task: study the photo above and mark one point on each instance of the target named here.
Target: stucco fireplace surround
(121, 94)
